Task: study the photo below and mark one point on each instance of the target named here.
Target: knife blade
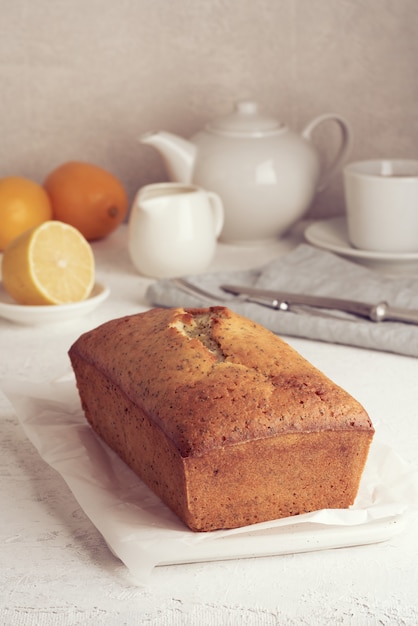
(282, 300)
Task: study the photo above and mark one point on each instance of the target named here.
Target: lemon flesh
(50, 264)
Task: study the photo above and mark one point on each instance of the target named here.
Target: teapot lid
(246, 120)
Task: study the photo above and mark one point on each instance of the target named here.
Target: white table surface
(55, 568)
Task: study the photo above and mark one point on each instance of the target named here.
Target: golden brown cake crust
(262, 387)
(208, 384)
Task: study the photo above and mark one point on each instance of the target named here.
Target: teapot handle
(217, 210)
(344, 147)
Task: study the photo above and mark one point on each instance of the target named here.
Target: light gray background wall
(83, 79)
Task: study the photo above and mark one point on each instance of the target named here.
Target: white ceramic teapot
(265, 174)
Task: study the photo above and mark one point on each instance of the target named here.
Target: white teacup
(173, 229)
(381, 199)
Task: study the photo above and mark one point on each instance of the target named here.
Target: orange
(23, 205)
(49, 264)
(87, 197)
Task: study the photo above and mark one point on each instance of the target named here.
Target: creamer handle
(218, 211)
(343, 150)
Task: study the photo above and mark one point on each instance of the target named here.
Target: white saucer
(331, 234)
(47, 314)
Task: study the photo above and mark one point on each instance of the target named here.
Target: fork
(193, 290)
(187, 287)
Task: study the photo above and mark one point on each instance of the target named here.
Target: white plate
(51, 313)
(332, 234)
(291, 539)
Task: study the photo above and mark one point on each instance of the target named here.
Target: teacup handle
(342, 152)
(217, 210)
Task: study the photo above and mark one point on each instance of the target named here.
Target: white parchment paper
(137, 526)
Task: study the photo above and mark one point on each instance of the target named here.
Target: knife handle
(383, 311)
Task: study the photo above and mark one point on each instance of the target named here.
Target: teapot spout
(177, 153)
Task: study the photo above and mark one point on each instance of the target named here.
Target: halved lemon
(49, 264)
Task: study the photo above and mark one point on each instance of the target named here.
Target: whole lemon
(23, 205)
(87, 197)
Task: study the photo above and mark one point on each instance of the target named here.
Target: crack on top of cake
(199, 326)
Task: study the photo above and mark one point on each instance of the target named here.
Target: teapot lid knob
(247, 107)
(246, 120)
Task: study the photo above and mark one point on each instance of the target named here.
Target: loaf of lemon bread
(223, 420)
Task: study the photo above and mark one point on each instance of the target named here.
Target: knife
(282, 300)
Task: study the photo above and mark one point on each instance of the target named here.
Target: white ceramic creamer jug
(173, 229)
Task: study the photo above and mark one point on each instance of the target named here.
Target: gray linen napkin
(310, 270)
